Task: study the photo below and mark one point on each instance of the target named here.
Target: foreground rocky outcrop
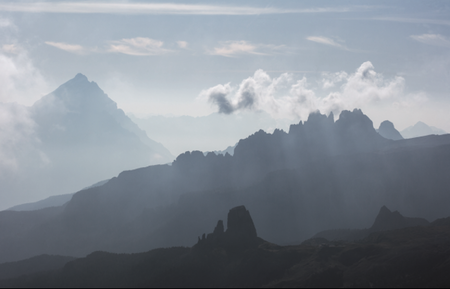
(415, 256)
(240, 234)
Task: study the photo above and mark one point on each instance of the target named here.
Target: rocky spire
(240, 233)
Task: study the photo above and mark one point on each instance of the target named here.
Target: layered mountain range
(399, 252)
(319, 175)
(72, 138)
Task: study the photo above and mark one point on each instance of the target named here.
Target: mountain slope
(52, 201)
(316, 177)
(237, 257)
(421, 129)
(78, 137)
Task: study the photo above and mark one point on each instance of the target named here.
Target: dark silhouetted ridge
(387, 220)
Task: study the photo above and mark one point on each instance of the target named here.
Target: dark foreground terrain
(417, 256)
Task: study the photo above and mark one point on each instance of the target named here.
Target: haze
(224, 144)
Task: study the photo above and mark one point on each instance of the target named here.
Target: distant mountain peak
(388, 220)
(77, 95)
(80, 76)
(421, 129)
(388, 131)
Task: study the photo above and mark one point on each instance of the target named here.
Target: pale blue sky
(154, 58)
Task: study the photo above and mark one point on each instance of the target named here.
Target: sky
(287, 58)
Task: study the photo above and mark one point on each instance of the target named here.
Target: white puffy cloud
(139, 46)
(432, 39)
(285, 97)
(236, 48)
(17, 136)
(329, 80)
(21, 83)
(20, 80)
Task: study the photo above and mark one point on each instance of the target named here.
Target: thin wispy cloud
(72, 48)
(158, 8)
(326, 41)
(182, 44)
(5, 23)
(139, 46)
(10, 48)
(242, 47)
(432, 39)
(414, 20)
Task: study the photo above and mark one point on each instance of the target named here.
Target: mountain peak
(80, 76)
(77, 95)
(388, 220)
(387, 130)
(421, 129)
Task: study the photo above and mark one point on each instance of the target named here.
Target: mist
(69, 139)
(254, 144)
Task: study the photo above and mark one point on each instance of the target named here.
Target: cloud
(236, 48)
(72, 48)
(17, 136)
(414, 20)
(182, 44)
(285, 97)
(329, 80)
(326, 41)
(5, 23)
(20, 80)
(160, 8)
(432, 39)
(10, 48)
(139, 46)
(362, 88)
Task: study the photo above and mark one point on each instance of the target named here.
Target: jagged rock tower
(240, 233)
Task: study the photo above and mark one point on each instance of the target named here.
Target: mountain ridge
(315, 177)
(237, 257)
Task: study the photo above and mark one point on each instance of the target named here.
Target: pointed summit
(78, 95)
(421, 129)
(79, 111)
(80, 76)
